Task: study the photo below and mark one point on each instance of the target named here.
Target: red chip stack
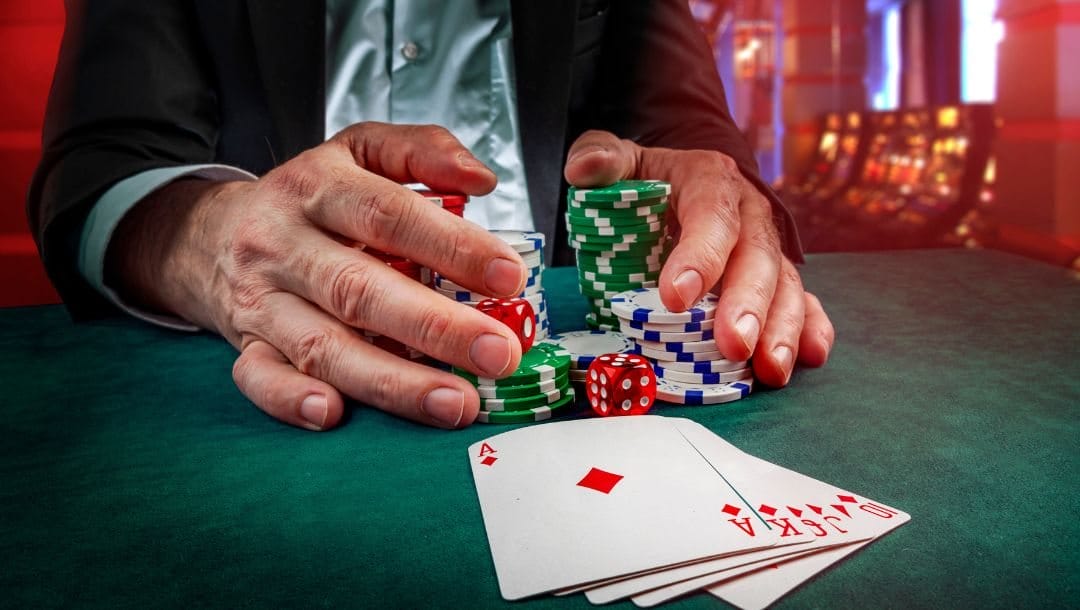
(453, 203)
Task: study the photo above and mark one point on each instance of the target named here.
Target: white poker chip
(703, 378)
(443, 282)
(585, 345)
(666, 337)
(644, 305)
(678, 356)
(702, 394)
(710, 366)
(680, 347)
(521, 241)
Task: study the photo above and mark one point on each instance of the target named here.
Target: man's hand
(264, 264)
(727, 243)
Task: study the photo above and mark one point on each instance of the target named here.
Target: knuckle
(381, 215)
(314, 351)
(352, 292)
(766, 240)
(385, 388)
(724, 162)
(433, 328)
(295, 180)
(789, 275)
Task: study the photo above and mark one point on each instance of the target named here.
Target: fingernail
(688, 285)
(748, 328)
(445, 405)
(782, 356)
(314, 410)
(490, 353)
(502, 277)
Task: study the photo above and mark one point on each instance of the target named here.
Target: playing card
(761, 589)
(587, 500)
(794, 506)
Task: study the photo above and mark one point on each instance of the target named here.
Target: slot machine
(956, 174)
(908, 162)
(880, 157)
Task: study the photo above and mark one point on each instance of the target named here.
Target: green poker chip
(585, 275)
(640, 239)
(563, 406)
(522, 403)
(543, 361)
(612, 287)
(646, 249)
(577, 209)
(592, 322)
(644, 228)
(611, 221)
(623, 191)
(618, 266)
(520, 391)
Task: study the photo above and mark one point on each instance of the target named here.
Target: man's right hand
(264, 264)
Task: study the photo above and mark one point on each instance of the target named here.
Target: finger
(706, 192)
(264, 375)
(818, 334)
(416, 153)
(779, 343)
(382, 214)
(321, 347)
(363, 292)
(598, 158)
(748, 284)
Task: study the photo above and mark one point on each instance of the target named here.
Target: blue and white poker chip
(710, 366)
(689, 327)
(665, 337)
(521, 241)
(702, 394)
(679, 347)
(703, 378)
(585, 345)
(644, 305)
(663, 356)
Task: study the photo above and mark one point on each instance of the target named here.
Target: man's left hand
(728, 243)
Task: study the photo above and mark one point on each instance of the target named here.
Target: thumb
(598, 158)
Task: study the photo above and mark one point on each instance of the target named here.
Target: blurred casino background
(883, 123)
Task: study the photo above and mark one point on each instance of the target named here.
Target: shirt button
(410, 51)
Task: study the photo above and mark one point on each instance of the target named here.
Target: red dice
(517, 313)
(620, 384)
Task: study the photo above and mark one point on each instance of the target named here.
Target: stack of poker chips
(450, 202)
(539, 389)
(680, 345)
(619, 234)
(584, 346)
(530, 246)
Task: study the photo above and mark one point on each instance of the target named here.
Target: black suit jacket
(141, 85)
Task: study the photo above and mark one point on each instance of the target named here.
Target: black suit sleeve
(657, 85)
(132, 91)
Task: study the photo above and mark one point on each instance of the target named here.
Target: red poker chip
(444, 200)
(456, 210)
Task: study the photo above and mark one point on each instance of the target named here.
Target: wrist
(162, 253)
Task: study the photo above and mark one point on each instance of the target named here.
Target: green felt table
(132, 472)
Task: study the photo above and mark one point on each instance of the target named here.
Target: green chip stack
(620, 235)
(539, 389)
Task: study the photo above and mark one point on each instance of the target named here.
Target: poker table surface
(132, 472)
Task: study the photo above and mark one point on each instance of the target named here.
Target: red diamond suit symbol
(600, 480)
